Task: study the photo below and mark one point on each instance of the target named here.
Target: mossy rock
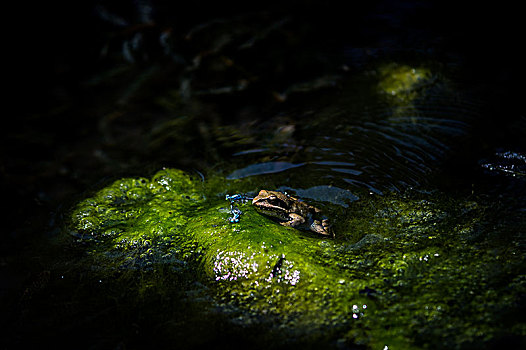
(393, 276)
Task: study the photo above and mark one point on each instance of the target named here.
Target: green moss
(404, 271)
(402, 82)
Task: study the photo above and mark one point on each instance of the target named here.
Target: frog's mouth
(270, 207)
(278, 214)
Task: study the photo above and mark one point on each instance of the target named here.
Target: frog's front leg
(294, 220)
(322, 227)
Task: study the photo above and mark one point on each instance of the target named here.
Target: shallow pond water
(391, 144)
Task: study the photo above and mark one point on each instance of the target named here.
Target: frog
(292, 212)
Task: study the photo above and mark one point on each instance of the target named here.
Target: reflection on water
(331, 194)
(262, 168)
(508, 163)
(392, 134)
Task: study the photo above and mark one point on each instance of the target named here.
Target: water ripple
(262, 168)
(373, 142)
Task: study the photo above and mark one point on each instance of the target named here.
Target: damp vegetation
(404, 270)
(403, 82)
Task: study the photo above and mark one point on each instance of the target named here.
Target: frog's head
(272, 203)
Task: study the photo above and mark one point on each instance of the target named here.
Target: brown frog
(292, 212)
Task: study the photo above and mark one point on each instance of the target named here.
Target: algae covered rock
(401, 266)
(138, 222)
(138, 217)
(403, 82)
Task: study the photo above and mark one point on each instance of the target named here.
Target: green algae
(403, 82)
(404, 271)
